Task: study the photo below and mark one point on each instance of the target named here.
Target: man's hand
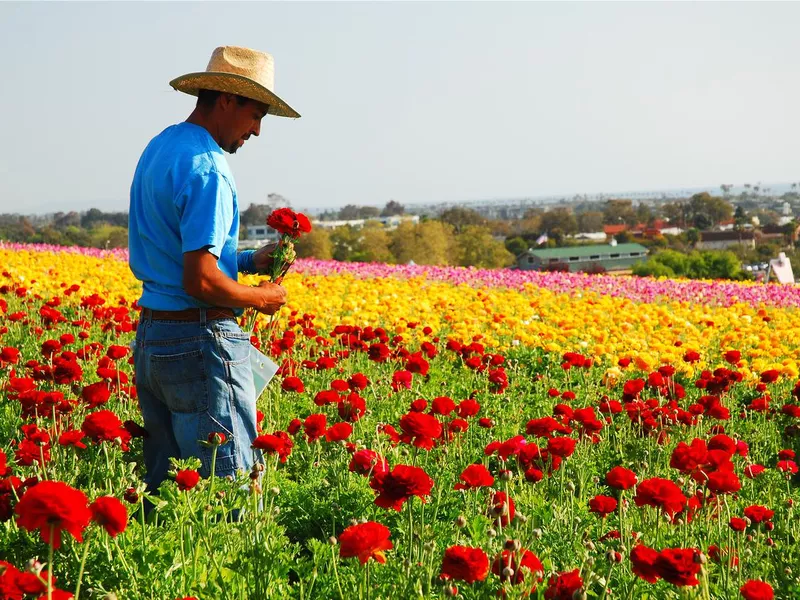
(262, 258)
(271, 297)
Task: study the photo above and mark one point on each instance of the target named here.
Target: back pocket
(182, 381)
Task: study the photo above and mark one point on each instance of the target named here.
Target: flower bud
(332, 540)
(537, 533)
(461, 521)
(579, 594)
(508, 573)
(450, 591)
(491, 532)
(570, 487)
(275, 491)
(700, 558)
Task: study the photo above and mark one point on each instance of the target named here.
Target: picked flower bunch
(290, 225)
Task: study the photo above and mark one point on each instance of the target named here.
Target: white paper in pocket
(263, 370)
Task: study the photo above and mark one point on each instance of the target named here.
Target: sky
(414, 101)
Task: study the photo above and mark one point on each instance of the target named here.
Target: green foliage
(316, 244)
(477, 247)
(516, 245)
(710, 264)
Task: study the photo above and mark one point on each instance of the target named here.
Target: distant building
(722, 240)
(388, 222)
(258, 235)
(612, 257)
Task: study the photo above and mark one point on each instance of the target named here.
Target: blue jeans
(194, 379)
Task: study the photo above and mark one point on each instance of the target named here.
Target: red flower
(678, 566)
(511, 560)
(420, 428)
(787, 466)
(737, 524)
(770, 376)
(602, 505)
(287, 222)
(71, 438)
(379, 352)
(758, 514)
(109, 513)
(367, 540)
(442, 405)
(621, 478)
(117, 352)
(9, 355)
(474, 476)
(358, 382)
(660, 493)
(723, 482)
(691, 356)
(643, 560)
(400, 484)
(417, 364)
(564, 585)
(187, 479)
(352, 408)
(753, 471)
(52, 505)
(293, 384)
(562, 446)
(96, 394)
(401, 379)
(339, 432)
(732, 356)
(105, 426)
(366, 462)
(279, 443)
(315, 426)
(465, 564)
(756, 590)
(468, 408)
(501, 507)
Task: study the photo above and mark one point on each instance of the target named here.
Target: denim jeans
(194, 379)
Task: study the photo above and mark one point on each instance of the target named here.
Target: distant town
(731, 232)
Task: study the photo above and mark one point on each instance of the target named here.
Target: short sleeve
(206, 210)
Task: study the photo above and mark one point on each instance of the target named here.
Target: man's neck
(201, 119)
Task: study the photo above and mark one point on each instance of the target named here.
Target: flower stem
(83, 564)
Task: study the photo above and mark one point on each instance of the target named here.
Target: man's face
(239, 121)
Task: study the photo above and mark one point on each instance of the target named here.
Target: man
(192, 361)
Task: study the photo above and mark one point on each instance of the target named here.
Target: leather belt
(188, 314)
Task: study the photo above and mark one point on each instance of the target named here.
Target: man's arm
(203, 280)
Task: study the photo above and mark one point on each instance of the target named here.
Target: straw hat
(241, 71)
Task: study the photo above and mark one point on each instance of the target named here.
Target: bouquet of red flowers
(290, 225)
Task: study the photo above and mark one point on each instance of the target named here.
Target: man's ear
(226, 101)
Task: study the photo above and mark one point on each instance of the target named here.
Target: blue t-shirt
(183, 198)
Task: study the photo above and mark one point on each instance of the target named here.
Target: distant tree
(70, 219)
(739, 218)
(345, 243)
(617, 212)
(477, 248)
(714, 208)
(702, 221)
(368, 212)
(516, 245)
(255, 214)
(316, 244)
(393, 208)
(590, 221)
(692, 236)
(373, 244)
(559, 220)
(349, 212)
(460, 218)
(644, 213)
(428, 243)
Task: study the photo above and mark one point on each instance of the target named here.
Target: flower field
(433, 432)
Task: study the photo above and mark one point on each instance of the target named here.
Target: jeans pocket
(182, 381)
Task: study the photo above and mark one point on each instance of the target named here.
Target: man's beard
(232, 148)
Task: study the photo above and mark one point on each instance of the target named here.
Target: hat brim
(232, 83)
